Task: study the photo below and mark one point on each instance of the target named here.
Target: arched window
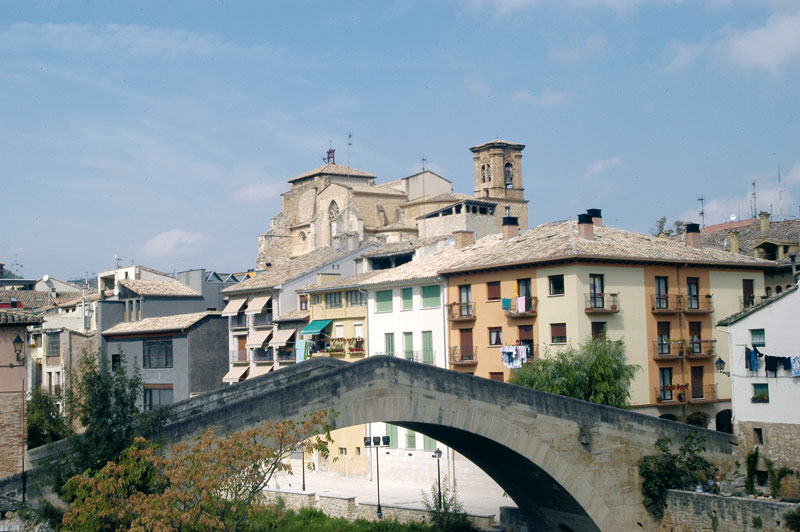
(768, 291)
(488, 173)
(333, 211)
(483, 173)
(302, 236)
(509, 175)
(778, 290)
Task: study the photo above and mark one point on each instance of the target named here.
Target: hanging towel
(507, 353)
(747, 354)
(795, 366)
(521, 304)
(506, 303)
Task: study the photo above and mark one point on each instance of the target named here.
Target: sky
(165, 132)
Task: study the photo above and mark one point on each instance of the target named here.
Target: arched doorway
(723, 420)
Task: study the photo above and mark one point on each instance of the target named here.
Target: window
(428, 443)
(664, 342)
(391, 431)
(695, 346)
(358, 330)
(53, 344)
(493, 290)
(758, 338)
(495, 336)
(431, 296)
(427, 347)
(342, 451)
(411, 439)
(596, 290)
(556, 285)
(693, 293)
(496, 376)
(758, 434)
(333, 300)
(465, 300)
(509, 175)
(157, 354)
(116, 362)
(317, 299)
(383, 301)
(748, 298)
(408, 298)
(662, 297)
(665, 380)
(388, 344)
(338, 330)
(598, 329)
(155, 397)
(355, 298)
(304, 302)
(760, 393)
(558, 333)
(524, 287)
(408, 345)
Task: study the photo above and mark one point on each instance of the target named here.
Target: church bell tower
(498, 178)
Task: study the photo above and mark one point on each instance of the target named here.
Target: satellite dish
(45, 278)
(732, 217)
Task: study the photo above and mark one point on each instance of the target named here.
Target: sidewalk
(392, 493)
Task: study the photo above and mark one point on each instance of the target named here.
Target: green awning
(316, 326)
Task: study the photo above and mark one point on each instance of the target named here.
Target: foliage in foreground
(669, 470)
(44, 422)
(312, 520)
(449, 516)
(597, 371)
(209, 486)
(793, 519)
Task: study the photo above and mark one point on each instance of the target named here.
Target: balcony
(421, 357)
(263, 356)
(54, 390)
(666, 304)
(701, 394)
(261, 319)
(699, 305)
(460, 312)
(701, 349)
(465, 356)
(239, 321)
(239, 356)
(671, 350)
(285, 357)
(672, 394)
(385, 354)
(520, 307)
(602, 303)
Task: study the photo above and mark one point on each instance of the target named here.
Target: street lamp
(18, 343)
(720, 365)
(375, 441)
(438, 455)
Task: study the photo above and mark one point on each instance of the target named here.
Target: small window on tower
(509, 175)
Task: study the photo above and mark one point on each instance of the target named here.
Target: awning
(280, 338)
(258, 338)
(233, 307)
(257, 304)
(235, 374)
(316, 326)
(260, 370)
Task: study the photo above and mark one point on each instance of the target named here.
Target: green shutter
(408, 345)
(408, 298)
(383, 301)
(391, 431)
(411, 439)
(428, 443)
(427, 347)
(430, 296)
(388, 343)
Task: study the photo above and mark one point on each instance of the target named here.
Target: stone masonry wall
(10, 426)
(702, 512)
(781, 441)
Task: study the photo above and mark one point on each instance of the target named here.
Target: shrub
(446, 511)
(751, 463)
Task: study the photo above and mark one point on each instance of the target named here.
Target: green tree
(661, 223)
(450, 515)
(45, 423)
(596, 371)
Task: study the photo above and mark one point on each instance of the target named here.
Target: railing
(667, 349)
(673, 393)
(460, 311)
(514, 309)
(699, 304)
(422, 357)
(286, 357)
(666, 304)
(706, 392)
(263, 355)
(239, 321)
(701, 349)
(385, 354)
(463, 355)
(239, 356)
(746, 302)
(602, 303)
(262, 318)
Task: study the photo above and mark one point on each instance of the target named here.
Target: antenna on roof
(16, 266)
(424, 160)
(702, 200)
(330, 155)
(754, 204)
(349, 143)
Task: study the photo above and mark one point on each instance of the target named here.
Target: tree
(450, 516)
(670, 470)
(661, 223)
(678, 227)
(45, 423)
(208, 486)
(597, 371)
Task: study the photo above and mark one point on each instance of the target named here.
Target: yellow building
(562, 282)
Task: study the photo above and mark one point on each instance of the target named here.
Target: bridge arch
(564, 462)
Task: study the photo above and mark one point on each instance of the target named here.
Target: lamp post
(303, 466)
(375, 441)
(438, 455)
(18, 343)
(720, 365)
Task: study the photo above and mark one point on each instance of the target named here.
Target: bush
(793, 519)
(45, 423)
(446, 511)
(698, 419)
(751, 463)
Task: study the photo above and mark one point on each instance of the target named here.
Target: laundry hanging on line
(514, 356)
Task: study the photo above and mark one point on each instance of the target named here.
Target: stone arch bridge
(567, 464)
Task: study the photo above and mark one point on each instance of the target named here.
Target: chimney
(693, 235)
(510, 227)
(733, 240)
(597, 216)
(464, 238)
(585, 227)
(764, 219)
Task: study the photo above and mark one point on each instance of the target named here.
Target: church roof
(497, 144)
(333, 169)
(445, 197)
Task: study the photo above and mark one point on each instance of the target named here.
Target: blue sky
(165, 132)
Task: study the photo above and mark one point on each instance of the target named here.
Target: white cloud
(603, 165)
(171, 243)
(683, 54)
(256, 193)
(548, 98)
(767, 47)
(130, 39)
